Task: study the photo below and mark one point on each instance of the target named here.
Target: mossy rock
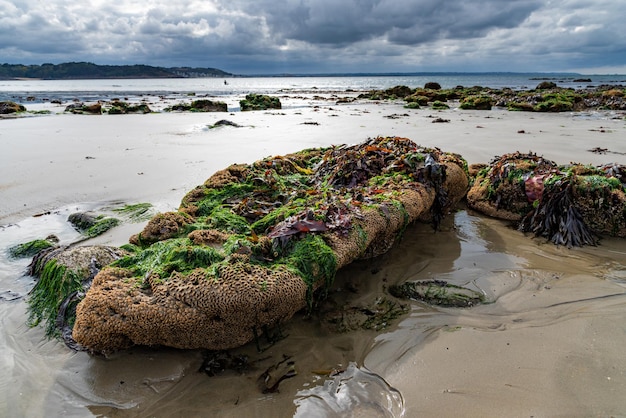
(256, 243)
(31, 248)
(521, 106)
(554, 105)
(62, 272)
(122, 108)
(477, 103)
(438, 105)
(568, 205)
(199, 106)
(85, 109)
(412, 105)
(91, 224)
(418, 98)
(259, 102)
(8, 107)
(438, 292)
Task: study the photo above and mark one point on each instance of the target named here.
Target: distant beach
(549, 344)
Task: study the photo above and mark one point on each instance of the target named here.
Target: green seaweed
(29, 249)
(137, 212)
(313, 259)
(438, 292)
(101, 226)
(55, 283)
(165, 257)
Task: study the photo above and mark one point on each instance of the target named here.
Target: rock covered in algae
(62, 271)
(569, 205)
(252, 245)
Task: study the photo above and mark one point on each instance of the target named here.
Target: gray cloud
(319, 35)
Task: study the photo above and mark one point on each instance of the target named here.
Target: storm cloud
(320, 36)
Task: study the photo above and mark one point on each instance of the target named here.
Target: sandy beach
(550, 344)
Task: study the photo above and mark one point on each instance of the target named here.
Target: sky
(321, 36)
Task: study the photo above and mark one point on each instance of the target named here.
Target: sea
(38, 91)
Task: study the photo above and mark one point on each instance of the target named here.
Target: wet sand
(550, 344)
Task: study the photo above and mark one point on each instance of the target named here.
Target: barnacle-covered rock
(252, 245)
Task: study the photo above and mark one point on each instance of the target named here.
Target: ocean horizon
(26, 91)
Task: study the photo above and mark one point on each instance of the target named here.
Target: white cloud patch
(319, 35)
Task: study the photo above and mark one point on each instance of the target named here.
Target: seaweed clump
(569, 205)
(30, 248)
(256, 243)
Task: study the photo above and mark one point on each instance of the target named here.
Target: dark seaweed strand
(557, 218)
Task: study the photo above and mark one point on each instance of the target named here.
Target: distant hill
(88, 70)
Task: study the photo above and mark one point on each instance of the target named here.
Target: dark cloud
(319, 35)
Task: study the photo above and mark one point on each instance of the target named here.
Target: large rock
(566, 204)
(253, 244)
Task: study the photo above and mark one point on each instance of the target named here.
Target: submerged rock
(253, 244)
(438, 292)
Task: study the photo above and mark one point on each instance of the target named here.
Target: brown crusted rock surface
(207, 237)
(186, 311)
(161, 227)
(250, 246)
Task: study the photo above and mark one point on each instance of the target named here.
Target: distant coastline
(88, 70)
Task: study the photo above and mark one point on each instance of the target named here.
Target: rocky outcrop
(569, 205)
(259, 102)
(202, 105)
(255, 243)
(84, 109)
(11, 107)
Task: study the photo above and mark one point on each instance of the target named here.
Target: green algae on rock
(569, 205)
(255, 243)
(202, 105)
(438, 292)
(259, 102)
(29, 249)
(62, 272)
(8, 107)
